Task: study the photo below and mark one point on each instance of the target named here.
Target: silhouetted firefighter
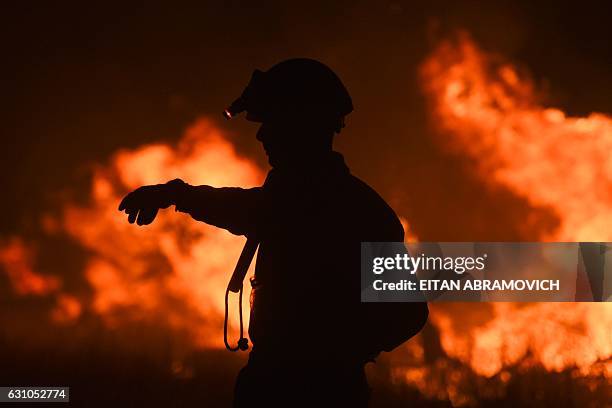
(311, 334)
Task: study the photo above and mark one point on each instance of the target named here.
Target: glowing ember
(67, 309)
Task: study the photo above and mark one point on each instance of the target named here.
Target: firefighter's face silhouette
(294, 143)
(275, 140)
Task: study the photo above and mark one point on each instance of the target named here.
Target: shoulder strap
(236, 285)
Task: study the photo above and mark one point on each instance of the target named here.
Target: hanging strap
(236, 285)
(236, 282)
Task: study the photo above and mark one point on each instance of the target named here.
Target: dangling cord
(243, 343)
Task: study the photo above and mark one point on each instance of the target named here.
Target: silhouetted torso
(307, 269)
(307, 316)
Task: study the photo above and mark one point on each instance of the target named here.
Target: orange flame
(174, 271)
(16, 259)
(489, 113)
(484, 109)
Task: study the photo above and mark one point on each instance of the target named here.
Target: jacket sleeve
(231, 208)
(396, 317)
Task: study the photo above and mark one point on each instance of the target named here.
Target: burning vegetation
(483, 108)
(172, 274)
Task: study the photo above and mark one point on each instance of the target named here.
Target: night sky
(81, 81)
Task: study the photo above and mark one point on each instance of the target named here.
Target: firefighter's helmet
(295, 89)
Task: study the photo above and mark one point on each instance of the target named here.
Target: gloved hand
(142, 204)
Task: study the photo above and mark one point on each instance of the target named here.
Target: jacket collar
(329, 165)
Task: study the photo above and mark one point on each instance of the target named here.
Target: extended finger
(146, 216)
(124, 203)
(132, 215)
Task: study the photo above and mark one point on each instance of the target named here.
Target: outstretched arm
(231, 208)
